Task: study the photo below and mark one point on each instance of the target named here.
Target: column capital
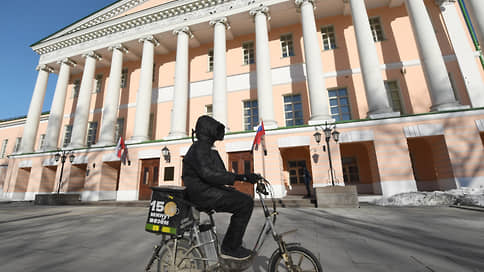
(184, 29)
(262, 9)
(222, 20)
(300, 2)
(45, 68)
(67, 61)
(150, 39)
(119, 47)
(93, 55)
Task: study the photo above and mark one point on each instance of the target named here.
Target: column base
(449, 107)
(379, 115)
(175, 135)
(321, 119)
(137, 139)
(103, 144)
(268, 124)
(76, 146)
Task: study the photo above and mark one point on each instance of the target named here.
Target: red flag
(259, 138)
(122, 150)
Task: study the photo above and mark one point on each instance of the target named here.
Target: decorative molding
(293, 141)
(119, 47)
(300, 2)
(184, 29)
(222, 20)
(45, 68)
(238, 146)
(149, 154)
(440, 3)
(423, 130)
(163, 13)
(357, 136)
(150, 39)
(81, 159)
(25, 164)
(93, 55)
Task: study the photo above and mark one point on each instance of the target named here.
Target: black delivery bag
(169, 213)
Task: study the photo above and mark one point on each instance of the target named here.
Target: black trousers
(241, 206)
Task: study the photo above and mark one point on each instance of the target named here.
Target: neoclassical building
(402, 81)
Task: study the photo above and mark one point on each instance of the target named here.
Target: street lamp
(62, 156)
(329, 130)
(166, 153)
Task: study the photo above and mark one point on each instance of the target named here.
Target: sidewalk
(370, 238)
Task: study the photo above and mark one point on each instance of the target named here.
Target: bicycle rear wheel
(302, 260)
(187, 258)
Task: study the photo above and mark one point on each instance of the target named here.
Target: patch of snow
(461, 196)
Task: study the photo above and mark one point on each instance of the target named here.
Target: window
(251, 114)
(124, 78)
(350, 170)
(339, 104)
(329, 39)
(151, 126)
(76, 88)
(91, 133)
(4, 148)
(41, 141)
(296, 172)
(209, 110)
(169, 173)
(18, 141)
(210, 60)
(119, 129)
(67, 135)
(249, 54)
(287, 46)
(293, 110)
(99, 83)
(376, 29)
(393, 93)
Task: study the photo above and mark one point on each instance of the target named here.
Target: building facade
(402, 80)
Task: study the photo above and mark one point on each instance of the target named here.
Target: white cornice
(135, 20)
(21, 122)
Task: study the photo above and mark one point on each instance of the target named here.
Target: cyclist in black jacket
(207, 179)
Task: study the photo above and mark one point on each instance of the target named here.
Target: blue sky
(24, 23)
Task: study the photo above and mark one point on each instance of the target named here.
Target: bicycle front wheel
(179, 255)
(301, 259)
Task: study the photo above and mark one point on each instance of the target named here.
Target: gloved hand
(253, 178)
(241, 177)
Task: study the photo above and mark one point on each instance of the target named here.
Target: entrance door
(242, 163)
(149, 177)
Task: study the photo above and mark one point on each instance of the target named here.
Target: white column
(318, 94)
(58, 103)
(476, 12)
(431, 58)
(143, 98)
(464, 53)
(219, 94)
(111, 100)
(263, 66)
(180, 99)
(81, 116)
(35, 110)
(376, 95)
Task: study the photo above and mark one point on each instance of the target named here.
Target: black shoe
(239, 254)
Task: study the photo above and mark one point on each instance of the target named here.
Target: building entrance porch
(295, 161)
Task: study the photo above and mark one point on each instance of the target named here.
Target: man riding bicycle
(208, 186)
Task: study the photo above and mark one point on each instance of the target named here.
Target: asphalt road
(370, 238)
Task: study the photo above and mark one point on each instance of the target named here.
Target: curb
(467, 207)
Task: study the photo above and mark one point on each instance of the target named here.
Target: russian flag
(259, 138)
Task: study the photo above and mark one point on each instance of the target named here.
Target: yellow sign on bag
(156, 228)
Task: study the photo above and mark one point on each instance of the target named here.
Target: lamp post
(62, 156)
(329, 130)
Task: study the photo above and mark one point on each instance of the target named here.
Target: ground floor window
(296, 171)
(350, 170)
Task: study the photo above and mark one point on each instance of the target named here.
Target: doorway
(149, 177)
(242, 163)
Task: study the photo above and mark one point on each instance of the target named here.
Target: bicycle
(197, 248)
